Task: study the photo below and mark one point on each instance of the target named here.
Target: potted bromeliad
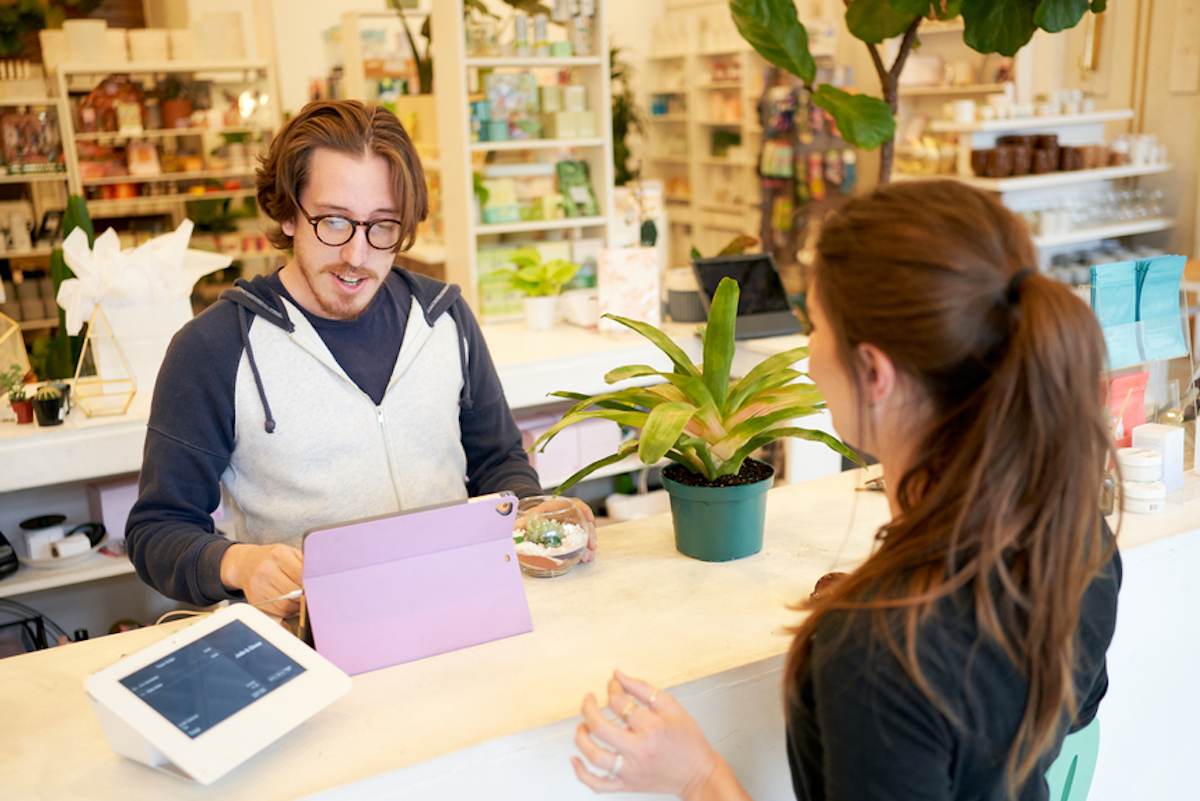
(707, 423)
(540, 282)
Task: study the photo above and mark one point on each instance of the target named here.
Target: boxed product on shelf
(575, 185)
(569, 124)
(32, 142)
(513, 100)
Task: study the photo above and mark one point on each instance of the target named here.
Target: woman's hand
(655, 746)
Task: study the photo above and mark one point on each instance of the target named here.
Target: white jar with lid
(1144, 497)
(1140, 464)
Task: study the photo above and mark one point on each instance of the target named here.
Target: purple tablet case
(393, 589)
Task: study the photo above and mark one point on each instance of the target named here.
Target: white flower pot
(541, 313)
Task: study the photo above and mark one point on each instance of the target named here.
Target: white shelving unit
(460, 156)
(1033, 191)
(723, 196)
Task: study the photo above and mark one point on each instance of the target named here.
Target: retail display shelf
(8, 102)
(677, 199)
(725, 208)
(169, 176)
(103, 68)
(154, 204)
(946, 91)
(96, 567)
(534, 62)
(1104, 232)
(668, 159)
(33, 178)
(721, 85)
(34, 253)
(1053, 179)
(537, 144)
(1031, 123)
(163, 133)
(717, 52)
(666, 56)
(534, 226)
(720, 123)
(668, 118)
(39, 325)
(676, 90)
(718, 162)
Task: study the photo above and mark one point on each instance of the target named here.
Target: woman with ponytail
(952, 663)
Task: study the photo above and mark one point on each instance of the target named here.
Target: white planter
(541, 313)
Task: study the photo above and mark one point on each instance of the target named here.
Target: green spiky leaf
(719, 340)
(662, 430)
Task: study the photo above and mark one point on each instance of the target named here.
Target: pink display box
(110, 501)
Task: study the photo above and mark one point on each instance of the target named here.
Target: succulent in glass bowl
(550, 535)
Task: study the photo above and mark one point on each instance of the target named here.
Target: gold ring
(629, 707)
(653, 695)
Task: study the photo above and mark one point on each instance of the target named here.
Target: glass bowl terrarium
(550, 535)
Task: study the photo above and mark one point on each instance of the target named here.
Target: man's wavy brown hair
(347, 126)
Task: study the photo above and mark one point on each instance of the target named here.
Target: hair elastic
(1013, 293)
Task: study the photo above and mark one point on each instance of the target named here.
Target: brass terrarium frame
(94, 392)
(12, 345)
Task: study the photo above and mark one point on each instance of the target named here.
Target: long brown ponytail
(1002, 498)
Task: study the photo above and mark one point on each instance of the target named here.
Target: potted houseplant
(12, 381)
(540, 282)
(48, 405)
(707, 423)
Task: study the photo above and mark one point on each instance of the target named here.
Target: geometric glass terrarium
(104, 382)
(12, 345)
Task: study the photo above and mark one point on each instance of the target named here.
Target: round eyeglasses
(335, 230)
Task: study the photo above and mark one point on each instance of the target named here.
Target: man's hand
(264, 572)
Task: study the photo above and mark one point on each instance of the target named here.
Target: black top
(864, 731)
(367, 346)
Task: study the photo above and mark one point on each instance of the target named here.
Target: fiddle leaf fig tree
(773, 28)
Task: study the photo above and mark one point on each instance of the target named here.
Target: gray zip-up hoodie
(253, 410)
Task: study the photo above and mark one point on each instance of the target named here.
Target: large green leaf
(769, 402)
(695, 389)
(873, 21)
(775, 31)
(864, 121)
(998, 26)
(772, 434)
(719, 341)
(662, 430)
(1099, 6)
(742, 433)
(1058, 15)
(622, 452)
(662, 342)
(777, 362)
(746, 389)
(598, 401)
(628, 371)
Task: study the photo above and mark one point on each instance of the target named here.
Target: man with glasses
(335, 389)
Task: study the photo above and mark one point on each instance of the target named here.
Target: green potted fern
(707, 423)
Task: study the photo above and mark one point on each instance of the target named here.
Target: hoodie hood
(257, 298)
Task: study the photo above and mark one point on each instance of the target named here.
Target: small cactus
(47, 392)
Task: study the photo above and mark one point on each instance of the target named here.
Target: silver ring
(629, 707)
(615, 770)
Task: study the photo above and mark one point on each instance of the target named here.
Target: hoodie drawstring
(244, 324)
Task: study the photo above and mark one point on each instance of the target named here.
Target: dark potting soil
(752, 472)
